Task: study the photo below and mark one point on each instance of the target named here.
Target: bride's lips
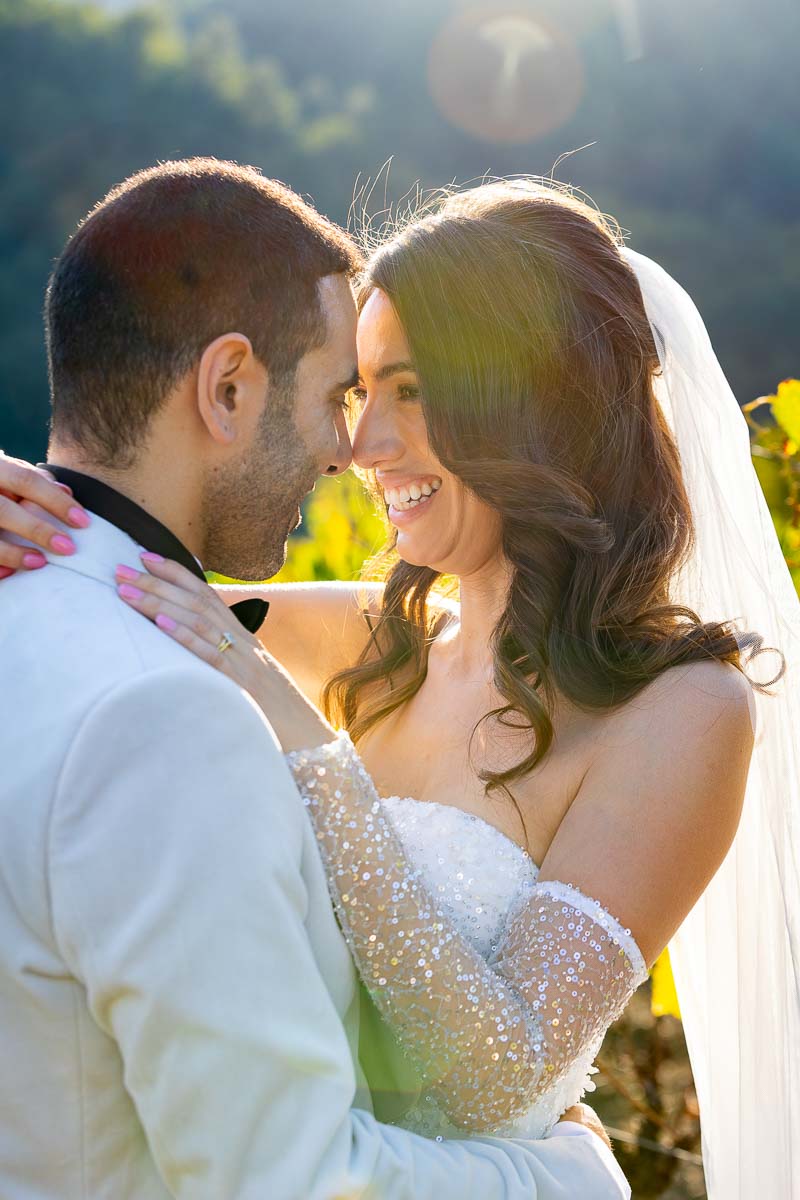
(406, 516)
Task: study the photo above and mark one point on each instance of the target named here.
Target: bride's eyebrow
(395, 368)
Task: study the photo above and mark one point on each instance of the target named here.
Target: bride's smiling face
(439, 522)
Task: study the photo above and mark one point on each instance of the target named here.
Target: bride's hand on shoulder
(186, 609)
(24, 491)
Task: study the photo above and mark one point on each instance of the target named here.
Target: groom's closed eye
(346, 385)
(340, 392)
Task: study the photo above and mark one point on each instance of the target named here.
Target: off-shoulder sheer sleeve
(489, 1038)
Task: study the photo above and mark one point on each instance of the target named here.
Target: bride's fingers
(19, 481)
(200, 599)
(172, 572)
(16, 518)
(200, 646)
(153, 598)
(19, 558)
(198, 633)
(152, 605)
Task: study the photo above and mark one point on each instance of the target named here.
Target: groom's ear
(231, 388)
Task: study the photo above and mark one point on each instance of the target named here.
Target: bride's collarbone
(426, 758)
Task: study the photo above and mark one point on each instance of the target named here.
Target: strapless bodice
(474, 870)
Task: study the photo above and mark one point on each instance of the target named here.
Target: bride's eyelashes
(405, 391)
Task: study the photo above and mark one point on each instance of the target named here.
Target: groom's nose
(344, 451)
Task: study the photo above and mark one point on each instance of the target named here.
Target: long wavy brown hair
(536, 361)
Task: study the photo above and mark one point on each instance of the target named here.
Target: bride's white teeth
(403, 507)
(403, 498)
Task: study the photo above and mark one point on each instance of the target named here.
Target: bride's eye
(408, 391)
(357, 395)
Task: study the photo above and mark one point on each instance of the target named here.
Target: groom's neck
(154, 485)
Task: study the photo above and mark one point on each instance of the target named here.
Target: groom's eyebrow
(352, 381)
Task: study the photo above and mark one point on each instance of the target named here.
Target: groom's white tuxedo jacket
(178, 1010)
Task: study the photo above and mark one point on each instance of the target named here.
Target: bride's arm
(314, 629)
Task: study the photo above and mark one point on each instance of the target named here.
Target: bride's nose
(375, 439)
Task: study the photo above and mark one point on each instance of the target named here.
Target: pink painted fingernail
(62, 545)
(6, 571)
(80, 518)
(150, 556)
(33, 560)
(129, 592)
(167, 623)
(127, 572)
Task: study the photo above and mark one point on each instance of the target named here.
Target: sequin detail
(502, 1031)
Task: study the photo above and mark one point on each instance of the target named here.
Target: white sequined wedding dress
(498, 988)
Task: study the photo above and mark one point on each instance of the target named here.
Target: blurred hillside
(692, 109)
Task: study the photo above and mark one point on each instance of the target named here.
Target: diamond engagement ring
(225, 642)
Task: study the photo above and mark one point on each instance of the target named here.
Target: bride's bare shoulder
(660, 802)
(690, 695)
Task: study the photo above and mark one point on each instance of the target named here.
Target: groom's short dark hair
(170, 259)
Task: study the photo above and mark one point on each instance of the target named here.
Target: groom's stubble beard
(250, 508)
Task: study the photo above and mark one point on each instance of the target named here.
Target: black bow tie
(134, 520)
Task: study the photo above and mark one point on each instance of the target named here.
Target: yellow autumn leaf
(664, 999)
(786, 408)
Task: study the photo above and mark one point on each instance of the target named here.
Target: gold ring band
(225, 642)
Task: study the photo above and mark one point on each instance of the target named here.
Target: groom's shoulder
(70, 643)
(72, 620)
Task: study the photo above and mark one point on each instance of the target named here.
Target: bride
(550, 773)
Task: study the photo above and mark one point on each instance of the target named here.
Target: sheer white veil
(736, 957)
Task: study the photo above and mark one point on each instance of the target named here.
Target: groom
(179, 1012)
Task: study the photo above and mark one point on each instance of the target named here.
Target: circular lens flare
(505, 74)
